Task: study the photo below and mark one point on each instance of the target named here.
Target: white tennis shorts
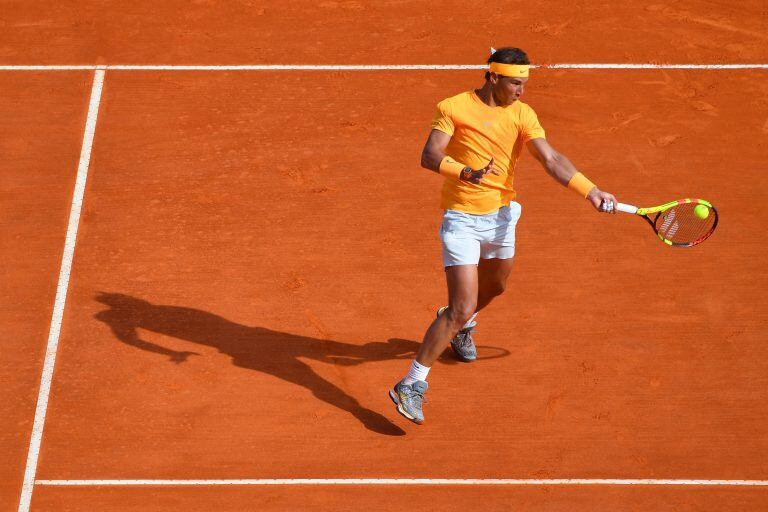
(466, 237)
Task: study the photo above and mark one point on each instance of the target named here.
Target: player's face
(507, 90)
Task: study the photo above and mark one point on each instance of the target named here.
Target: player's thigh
(462, 288)
(498, 247)
(494, 272)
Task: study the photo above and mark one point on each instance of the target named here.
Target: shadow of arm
(129, 336)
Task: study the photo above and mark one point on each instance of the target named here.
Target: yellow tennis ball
(701, 211)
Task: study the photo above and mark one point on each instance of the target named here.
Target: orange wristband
(451, 168)
(580, 184)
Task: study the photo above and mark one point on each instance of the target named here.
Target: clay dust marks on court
(387, 498)
(356, 32)
(41, 122)
(653, 348)
(276, 237)
(259, 231)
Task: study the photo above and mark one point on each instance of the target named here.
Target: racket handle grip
(626, 208)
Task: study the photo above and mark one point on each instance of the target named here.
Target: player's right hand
(602, 201)
(476, 176)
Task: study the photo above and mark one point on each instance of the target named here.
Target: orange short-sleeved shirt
(478, 132)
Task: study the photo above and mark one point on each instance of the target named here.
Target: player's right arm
(434, 150)
(433, 154)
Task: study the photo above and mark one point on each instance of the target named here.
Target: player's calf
(462, 344)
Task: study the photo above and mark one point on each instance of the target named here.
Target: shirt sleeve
(530, 129)
(443, 119)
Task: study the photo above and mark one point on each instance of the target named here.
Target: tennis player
(475, 142)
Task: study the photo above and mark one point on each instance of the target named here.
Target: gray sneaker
(462, 344)
(409, 398)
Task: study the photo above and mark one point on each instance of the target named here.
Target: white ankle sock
(417, 372)
(470, 321)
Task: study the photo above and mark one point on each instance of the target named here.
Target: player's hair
(508, 55)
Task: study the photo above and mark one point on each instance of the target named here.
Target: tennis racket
(676, 223)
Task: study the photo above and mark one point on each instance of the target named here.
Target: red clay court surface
(257, 259)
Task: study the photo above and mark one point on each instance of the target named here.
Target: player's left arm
(562, 170)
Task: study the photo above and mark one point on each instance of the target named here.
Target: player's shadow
(256, 348)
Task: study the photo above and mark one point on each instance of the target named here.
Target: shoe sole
(400, 409)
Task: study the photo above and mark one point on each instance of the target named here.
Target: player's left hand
(477, 176)
(602, 201)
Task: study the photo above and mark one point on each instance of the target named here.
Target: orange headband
(510, 70)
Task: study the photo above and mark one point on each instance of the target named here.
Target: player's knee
(460, 313)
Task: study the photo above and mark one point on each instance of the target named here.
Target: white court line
(50, 68)
(361, 67)
(61, 294)
(412, 481)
